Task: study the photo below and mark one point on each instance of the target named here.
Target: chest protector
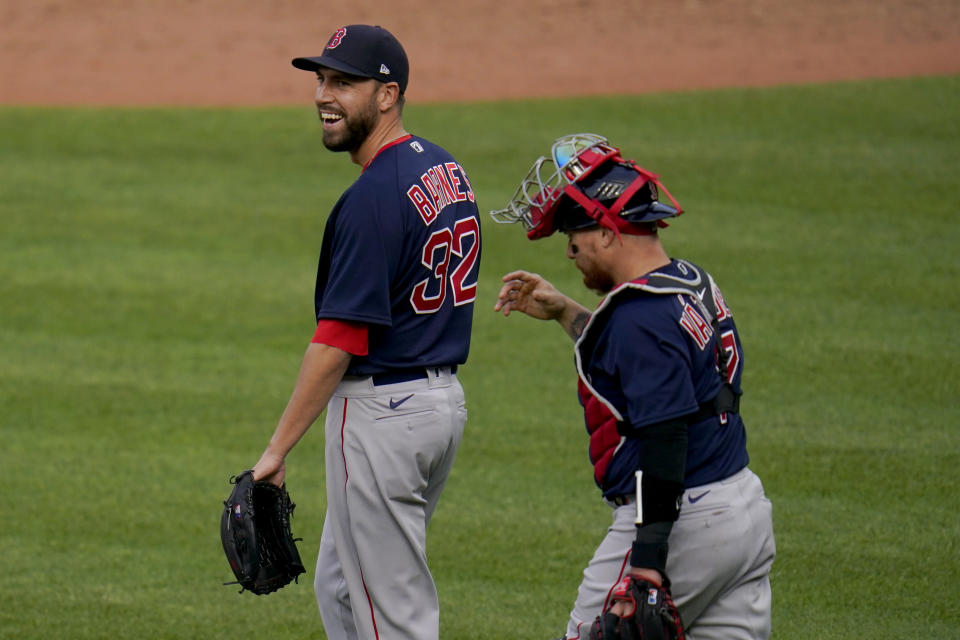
(600, 415)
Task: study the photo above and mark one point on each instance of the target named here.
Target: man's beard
(597, 281)
(357, 128)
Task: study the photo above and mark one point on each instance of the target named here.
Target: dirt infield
(231, 52)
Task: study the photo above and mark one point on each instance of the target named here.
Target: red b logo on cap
(337, 38)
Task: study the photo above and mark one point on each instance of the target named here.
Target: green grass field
(156, 279)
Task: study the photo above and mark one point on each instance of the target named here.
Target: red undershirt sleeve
(352, 337)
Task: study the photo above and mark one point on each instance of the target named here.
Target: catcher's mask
(585, 183)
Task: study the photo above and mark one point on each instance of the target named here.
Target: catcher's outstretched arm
(322, 369)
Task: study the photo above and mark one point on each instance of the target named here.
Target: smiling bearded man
(396, 283)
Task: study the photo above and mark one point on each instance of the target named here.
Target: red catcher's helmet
(585, 182)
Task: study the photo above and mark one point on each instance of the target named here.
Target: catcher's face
(347, 106)
(584, 248)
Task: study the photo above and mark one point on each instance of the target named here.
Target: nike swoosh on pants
(396, 403)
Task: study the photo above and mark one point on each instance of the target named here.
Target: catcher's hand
(529, 293)
(256, 537)
(653, 617)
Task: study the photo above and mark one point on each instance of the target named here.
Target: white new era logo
(384, 69)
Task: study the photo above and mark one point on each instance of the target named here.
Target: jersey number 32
(459, 246)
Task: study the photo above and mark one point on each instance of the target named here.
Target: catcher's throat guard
(586, 182)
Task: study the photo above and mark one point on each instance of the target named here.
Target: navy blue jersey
(401, 254)
(653, 358)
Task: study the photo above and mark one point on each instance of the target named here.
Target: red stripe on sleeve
(352, 337)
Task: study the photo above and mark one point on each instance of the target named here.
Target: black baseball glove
(654, 616)
(255, 531)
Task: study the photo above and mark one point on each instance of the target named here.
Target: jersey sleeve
(352, 337)
(651, 362)
(362, 261)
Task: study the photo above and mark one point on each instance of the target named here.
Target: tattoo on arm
(578, 324)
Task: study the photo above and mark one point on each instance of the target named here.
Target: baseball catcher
(255, 531)
(659, 364)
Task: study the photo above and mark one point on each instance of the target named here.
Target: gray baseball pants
(721, 552)
(389, 451)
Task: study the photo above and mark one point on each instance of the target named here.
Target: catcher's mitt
(255, 531)
(654, 617)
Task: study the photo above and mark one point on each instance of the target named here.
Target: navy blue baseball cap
(365, 51)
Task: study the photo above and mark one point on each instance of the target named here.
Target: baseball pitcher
(396, 283)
